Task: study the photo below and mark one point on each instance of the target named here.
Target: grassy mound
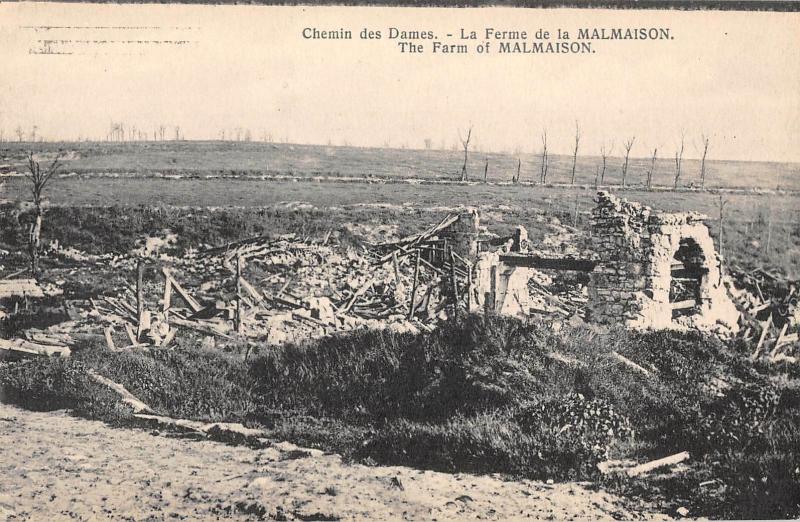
(489, 394)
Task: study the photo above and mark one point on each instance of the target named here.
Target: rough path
(57, 467)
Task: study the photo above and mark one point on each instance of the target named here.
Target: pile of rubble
(647, 269)
(770, 319)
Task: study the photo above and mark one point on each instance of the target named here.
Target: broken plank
(356, 295)
(683, 305)
(655, 464)
(110, 339)
(193, 304)
(779, 340)
(765, 326)
(127, 397)
(169, 337)
(627, 362)
(27, 347)
(131, 335)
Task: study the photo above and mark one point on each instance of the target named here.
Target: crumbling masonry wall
(636, 249)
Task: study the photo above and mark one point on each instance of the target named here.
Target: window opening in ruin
(687, 278)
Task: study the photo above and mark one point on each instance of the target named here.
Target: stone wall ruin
(648, 270)
(656, 270)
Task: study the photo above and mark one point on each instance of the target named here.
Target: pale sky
(733, 76)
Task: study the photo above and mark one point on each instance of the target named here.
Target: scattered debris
(275, 290)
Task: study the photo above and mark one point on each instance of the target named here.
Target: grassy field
(759, 229)
(254, 158)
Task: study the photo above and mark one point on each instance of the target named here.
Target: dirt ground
(58, 467)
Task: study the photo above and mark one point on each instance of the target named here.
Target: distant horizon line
(380, 147)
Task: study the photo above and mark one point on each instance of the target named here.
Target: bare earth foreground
(54, 467)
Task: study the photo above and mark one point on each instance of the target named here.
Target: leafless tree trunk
(679, 161)
(652, 169)
(177, 133)
(33, 133)
(703, 162)
(545, 166)
(486, 170)
(515, 179)
(20, 133)
(604, 155)
(628, 146)
(575, 151)
(39, 180)
(465, 145)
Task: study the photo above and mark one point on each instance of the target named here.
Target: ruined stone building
(646, 269)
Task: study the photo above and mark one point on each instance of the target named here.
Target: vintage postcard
(418, 262)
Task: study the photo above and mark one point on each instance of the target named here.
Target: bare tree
(604, 153)
(177, 132)
(628, 145)
(679, 160)
(20, 133)
(515, 179)
(428, 143)
(465, 145)
(575, 150)
(33, 133)
(703, 166)
(545, 166)
(39, 179)
(652, 169)
(486, 170)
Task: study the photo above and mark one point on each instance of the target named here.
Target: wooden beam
(110, 339)
(549, 263)
(412, 304)
(139, 298)
(127, 397)
(131, 334)
(630, 364)
(683, 305)
(655, 464)
(765, 326)
(454, 281)
(193, 304)
(23, 347)
(238, 317)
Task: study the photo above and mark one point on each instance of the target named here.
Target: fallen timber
(549, 263)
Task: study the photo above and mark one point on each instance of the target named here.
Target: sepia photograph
(422, 262)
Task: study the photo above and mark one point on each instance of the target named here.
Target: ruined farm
(626, 353)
